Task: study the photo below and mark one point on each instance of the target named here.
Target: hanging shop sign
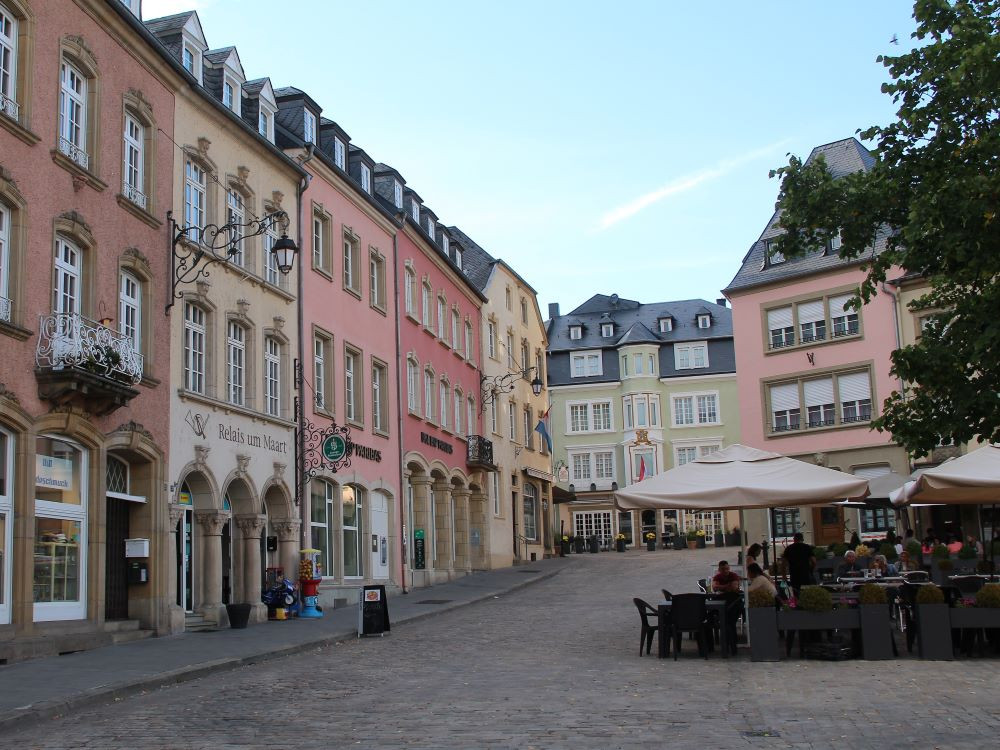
(326, 449)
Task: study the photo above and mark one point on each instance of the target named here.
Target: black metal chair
(688, 614)
(646, 611)
(705, 585)
(906, 603)
(916, 576)
(968, 585)
(667, 595)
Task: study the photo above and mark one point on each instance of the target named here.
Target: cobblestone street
(552, 665)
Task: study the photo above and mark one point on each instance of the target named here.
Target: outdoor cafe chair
(689, 614)
(705, 585)
(968, 585)
(646, 611)
(667, 595)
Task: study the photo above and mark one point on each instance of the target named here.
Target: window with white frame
(230, 100)
(592, 465)
(704, 321)
(352, 261)
(397, 194)
(430, 227)
(512, 421)
(581, 466)
(194, 194)
(8, 64)
(585, 364)
(666, 325)
(380, 397)
(839, 399)
(641, 410)
(272, 376)
(133, 167)
(236, 216)
(526, 428)
(458, 256)
(69, 272)
(194, 348)
(320, 352)
(412, 385)
(321, 523)
(455, 318)
(468, 340)
(428, 394)
(592, 416)
(320, 242)
(683, 410)
(604, 465)
(271, 273)
(643, 464)
(529, 501)
(427, 312)
(491, 339)
(376, 273)
(690, 356)
(130, 309)
(309, 126)
(190, 59)
(575, 333)
(442, 318)
(5, 302)
(352, 531)
(601, 411)
(579, 418)
(459, 405)
(444, 402)
(410, 291)
(366, 178)
(844, 322)
(685, 454)
(494, 419)
(707, 408)
(353, 399)
(236, 351)
(510, 350)
(339, 153)
(772, 256)
(607, 330)
(415, 211)
(264, 123)
(73, 114)
(6, 519)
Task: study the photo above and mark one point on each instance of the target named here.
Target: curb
(36, 712)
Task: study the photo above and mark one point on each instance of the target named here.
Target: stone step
(125, 636)
(120, 626)
(196, 622)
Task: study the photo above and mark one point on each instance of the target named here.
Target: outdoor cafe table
(713, 604)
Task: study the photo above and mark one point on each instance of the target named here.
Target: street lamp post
(491, 387)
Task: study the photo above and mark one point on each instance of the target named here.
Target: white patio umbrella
(971, 479)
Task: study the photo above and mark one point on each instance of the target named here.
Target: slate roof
(218, 56)
(255, 86)
(842, 157)
(477, 264)
(168, 24)
(627, 314)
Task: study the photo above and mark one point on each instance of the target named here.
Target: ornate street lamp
(497, 385)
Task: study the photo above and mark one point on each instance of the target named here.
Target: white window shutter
(811, 312)
(854, 387)
(780, 318)
(784, 397)
(818, 392)
(872, 472)
(837, 305)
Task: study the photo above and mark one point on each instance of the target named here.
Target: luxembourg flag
(642, 469)
(542, 428)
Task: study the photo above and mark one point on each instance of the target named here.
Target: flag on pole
(642, 469)
(542, 428)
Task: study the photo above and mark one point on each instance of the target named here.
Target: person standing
(800, 559)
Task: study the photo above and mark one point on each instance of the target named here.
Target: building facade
(519, 522)
(811, 373)
(86, 117)
(231, 475)
(638, 389)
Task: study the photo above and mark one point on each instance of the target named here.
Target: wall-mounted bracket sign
(326, 448)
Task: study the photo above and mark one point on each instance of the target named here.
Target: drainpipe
(300, 437)
(403, 498)
(901, 513)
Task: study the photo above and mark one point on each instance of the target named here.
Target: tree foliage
(933, 195)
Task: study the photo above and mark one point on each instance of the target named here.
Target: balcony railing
(74, 152)
(68, 340)
(133, 194)
(5, 309)
(9, 107)
(479, 451)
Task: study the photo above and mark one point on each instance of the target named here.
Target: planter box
(578, 542)
(651, 545)
(701, 542)
(975, 617)
(934, 632)
(620, 545)
(594, 545)
(764, 644)
(720, 540)
(563, 549)
(680, 542)
(837, 619)
(876, 631)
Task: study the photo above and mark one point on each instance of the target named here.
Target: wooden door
(116, 572)
(828, 525)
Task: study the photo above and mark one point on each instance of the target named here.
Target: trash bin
(594, 545)
(239, 615)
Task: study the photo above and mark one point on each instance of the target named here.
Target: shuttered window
(812, 321)
(819, 402)
(785, 407)
(779, 324)
(855, 397)
(844, 322)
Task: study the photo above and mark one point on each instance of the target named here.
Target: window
(68, 270)
(602, 415)
(581, 466)
(454, 329)
(415, 211)
(838, 399)
(366, 178)
(380, 397)
(524, 311)
(73, 114)
(690, 356)
(339, 153)
(425, 302)
(412, 385)
(772, 257)
(835, 242)
(604, 465)
(132, 174)
(592, 416)
(855, 397)
(321, 363)
(491, 339)
(236, 214)
(494, 419)
(194, 348)
(683, 410)
(666, 325)
(785, 410)
(442, 317)
(575, 332)
(704, 321)
(643, 464)
(579, 418)
(508, 299)
(598, 465)
(6, 526)
(236, 349)
(321, 524)
(353, 399)
(309, 126)
(812, 321)
(376, 280)
(272, 376)
(130, 309)
(819, 402)
(530, 502)
(444, 403)
(510, 351)
(458, 412)
(686, 455)
(5, 275)
(8, 64)
(430, 227)
(526, 427)
(458, 256)
(585, 364)
(271, 273)
(779, 324)
(229, 95)
(352, 271)
(470, 415)
(194, 195)
(525, 358)
(495, 492)
(397, 194)
(410, 291)
(785, 521)
(189, 60)
(354, 547)
(428, 395)
(707, 409)
(511, 421)
(844, 322)
(468, 340)
(264, 123)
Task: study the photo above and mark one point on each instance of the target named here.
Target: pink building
(811, 374)
(445, 458)
(350, 368)
(86, 117)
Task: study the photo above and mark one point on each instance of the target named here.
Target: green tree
(931, 201)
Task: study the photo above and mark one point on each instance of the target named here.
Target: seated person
(905, 564)
(954, 545)
(753, 552)
(759, 580)
(881, 567)
(725, 581)
(850, 565)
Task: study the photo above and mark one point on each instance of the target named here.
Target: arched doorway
(237, 501)
(195, 494)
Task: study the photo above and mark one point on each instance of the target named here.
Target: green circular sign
(334, 448)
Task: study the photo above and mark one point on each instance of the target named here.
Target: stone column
(461, 530)
(478, 555)
(443, 531)
(251, 526)
(287, 530)
(210, 568)
(175, 618)
(421, 484)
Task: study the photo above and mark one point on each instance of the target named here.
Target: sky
(597, 148)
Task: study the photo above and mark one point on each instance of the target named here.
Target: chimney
(721, 301)
(553, 310)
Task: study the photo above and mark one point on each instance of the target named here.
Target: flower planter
(876, 632)
(975, 617)
(701, 542)
(651, 545)
(680, 542)
(619, 545)
(934, 632)
(692, 544)
(239, 615)
(764, 644)
(720, 540)
(563, 549)
(836, 619)
(594, 545)
(578, 542)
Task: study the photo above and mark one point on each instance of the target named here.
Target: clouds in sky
(683, 185)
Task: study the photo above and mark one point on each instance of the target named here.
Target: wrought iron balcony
(479, 452)
(133, 194)
(74, 152)
(79, 360)
(9, 107)
(5, 309)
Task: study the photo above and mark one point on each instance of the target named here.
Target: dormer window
(366, 178)
(458, 256)
(772, 256)
(430, 226)
(191, 59)
(397, 194)
(339, 153)
(576, 333)
(445, 244)
(666, 325)
(835, 242)
(229, 96)
(309, 127)
(705, 321)
(415, 211)
(607, 330)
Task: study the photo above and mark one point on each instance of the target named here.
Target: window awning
(539, 474)
(126, 496)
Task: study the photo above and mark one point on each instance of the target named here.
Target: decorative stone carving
(135, 255)
(276, 197)
(279, 322)
(251, 525)
(133, 426)
(211, 521)
(242, 173)
(79, 182)
(242, 306)
(175, 512)
(242, 464)
(279, 470)
(201, 455)
(203, 286)
(287, 529)
(820, 459)
(9, 394)
(203, 144)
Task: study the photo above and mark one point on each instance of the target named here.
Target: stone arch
(242, 494)
(276, 499)
(202, 486)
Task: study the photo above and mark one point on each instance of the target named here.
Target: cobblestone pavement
(554, 665)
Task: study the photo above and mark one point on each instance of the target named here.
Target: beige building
(519, 511)
(234, 323)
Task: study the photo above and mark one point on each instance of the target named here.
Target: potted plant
(763, 623)
(578, 543)
(239, 615)
(594, 543)
(985, 613)
(814, 611)
(563, 545)
(720, 540)
(966, 559)
(942, 569)
(650, 541)
(692, 538)
(700, 536)
(620, 542)
(876, 635)
(933, 624)
(864, 553)
(913, 548)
